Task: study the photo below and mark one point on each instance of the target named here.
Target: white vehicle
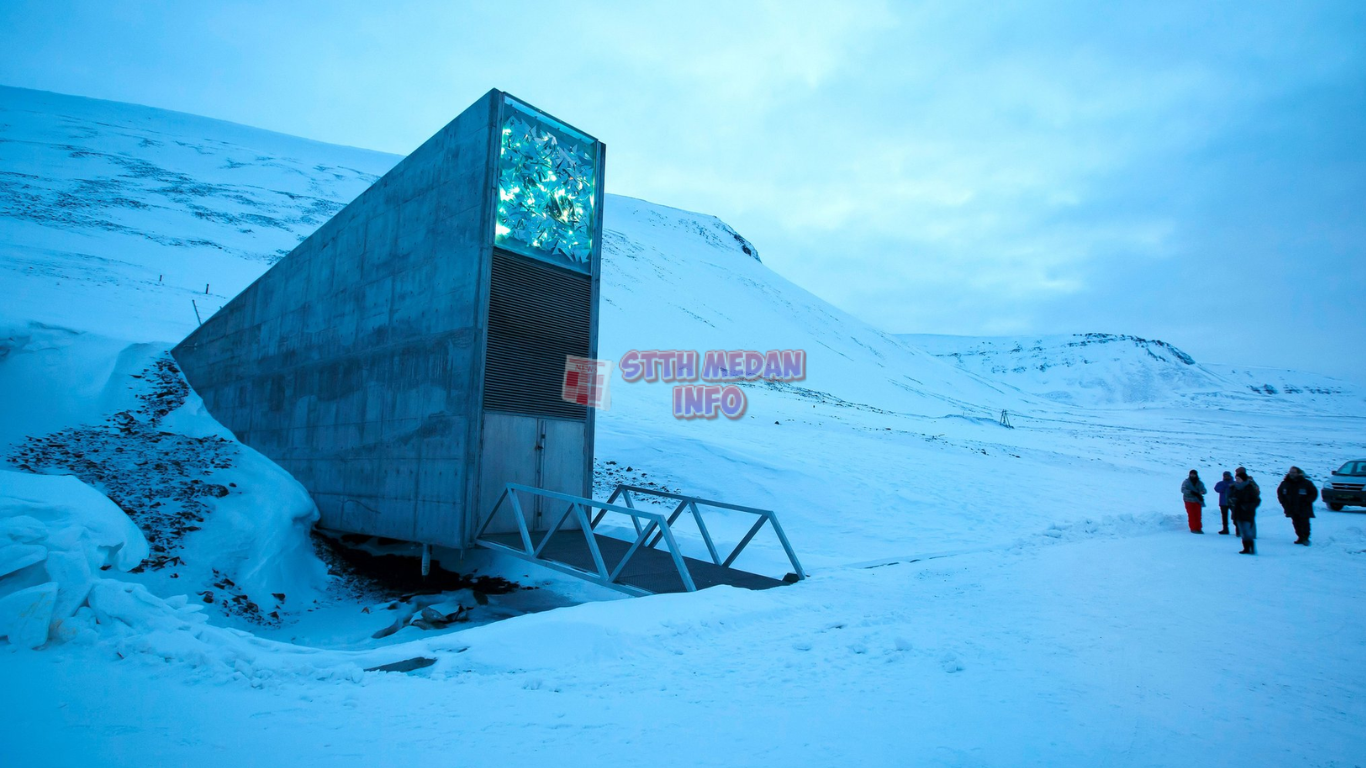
(1346, 487)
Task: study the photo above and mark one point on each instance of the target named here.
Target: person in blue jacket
(1222, 488)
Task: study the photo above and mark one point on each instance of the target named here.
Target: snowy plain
(979, 595)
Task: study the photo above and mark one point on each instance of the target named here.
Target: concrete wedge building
(407, 360)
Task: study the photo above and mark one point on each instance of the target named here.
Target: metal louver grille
(537, 316)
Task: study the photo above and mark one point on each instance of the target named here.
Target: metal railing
(578, 507)
(690, 503)
(651, 528)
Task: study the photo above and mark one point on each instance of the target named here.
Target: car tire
(1335, 506)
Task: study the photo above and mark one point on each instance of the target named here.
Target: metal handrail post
(553, 530)
(592, 540)
(521, 520)
(626, 497)
(791, 555)
(745, 541)
(492, 513)
(645, 534)
(706, 536)
(678, 559)
(673, 517)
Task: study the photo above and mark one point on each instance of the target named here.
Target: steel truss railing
(690, 503)
(651, 529)
(578, 506)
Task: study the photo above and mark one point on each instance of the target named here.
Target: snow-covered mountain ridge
(1104, 369)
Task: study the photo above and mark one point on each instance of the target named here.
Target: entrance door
(562, 464)
(539, 452)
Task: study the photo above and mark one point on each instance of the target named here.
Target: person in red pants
(1193, 493)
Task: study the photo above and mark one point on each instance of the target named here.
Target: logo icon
(586, 382)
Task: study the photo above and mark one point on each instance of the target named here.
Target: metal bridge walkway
(638, 567)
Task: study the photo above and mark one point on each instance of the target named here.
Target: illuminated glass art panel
(547, 188)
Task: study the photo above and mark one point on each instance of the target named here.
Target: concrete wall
(356, 362)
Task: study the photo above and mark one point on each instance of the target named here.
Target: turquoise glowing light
(547, 189)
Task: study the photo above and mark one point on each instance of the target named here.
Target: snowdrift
(56, 536)
(216, 516)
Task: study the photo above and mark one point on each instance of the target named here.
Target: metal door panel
(509, 454)
(562, 460)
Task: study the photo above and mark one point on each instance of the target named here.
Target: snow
(117, 217)
(979, 595)
(257, 534)
(56, 535)
(1102, 369)
(1160, 649)
(65, 515)
(15, 557)
(25, 614)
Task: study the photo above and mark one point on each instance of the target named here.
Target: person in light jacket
(1222, 487)
(1193, 493)
(1297, 496)
(1244, 498)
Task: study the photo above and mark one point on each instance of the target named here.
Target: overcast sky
(1194, 172)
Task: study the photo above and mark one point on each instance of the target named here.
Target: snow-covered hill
(930, 529)
(1103, 369)
(115, 217)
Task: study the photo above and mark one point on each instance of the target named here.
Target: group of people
(1239, 497)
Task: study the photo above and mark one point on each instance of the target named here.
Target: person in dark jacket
(1244, 497)
(1222, 488)
(1297, 496)
(1193, 493)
